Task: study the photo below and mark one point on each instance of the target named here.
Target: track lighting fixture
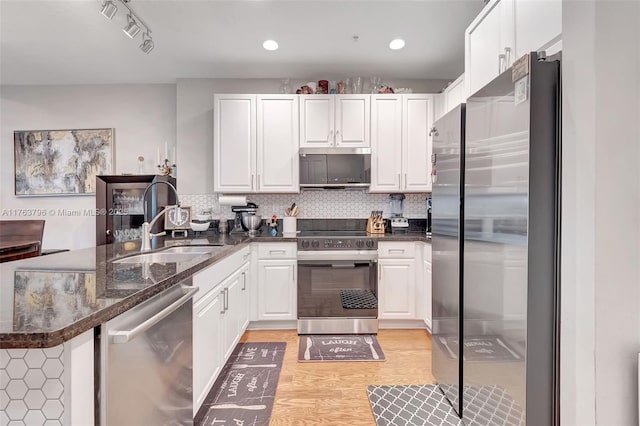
(109, 9)
(134, 23)
(147, 44)
(132, 28)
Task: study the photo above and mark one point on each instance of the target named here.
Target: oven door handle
(336, 263)
(329, 257)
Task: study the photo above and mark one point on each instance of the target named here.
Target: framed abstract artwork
(61, 162)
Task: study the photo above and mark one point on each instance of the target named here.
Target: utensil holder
(289, 225)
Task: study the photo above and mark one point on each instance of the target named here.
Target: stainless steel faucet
(147, 226)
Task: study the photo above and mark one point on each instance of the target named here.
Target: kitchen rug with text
(245, 390)
(314, 348)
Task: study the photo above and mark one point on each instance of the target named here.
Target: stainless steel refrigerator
(495, 238)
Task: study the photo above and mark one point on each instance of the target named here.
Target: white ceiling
(70, 42)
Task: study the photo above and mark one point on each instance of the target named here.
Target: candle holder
(166, 168)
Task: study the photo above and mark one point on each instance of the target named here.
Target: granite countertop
(47, 300)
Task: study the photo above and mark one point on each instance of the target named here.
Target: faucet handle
(159, 234)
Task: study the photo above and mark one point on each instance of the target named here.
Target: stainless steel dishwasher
(146, 360)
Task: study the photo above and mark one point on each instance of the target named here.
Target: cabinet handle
(396, 251)
(500, 62)
(226, 299)
(338, 136)
(244, 281)
(252, 176)
(399, 181)
(405, 179)
(223, 308)
(330, 137)
(507, 57)
(108, 231)
(276, 251)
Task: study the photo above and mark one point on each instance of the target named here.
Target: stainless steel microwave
(335, 168)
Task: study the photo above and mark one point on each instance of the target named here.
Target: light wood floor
(335, 393)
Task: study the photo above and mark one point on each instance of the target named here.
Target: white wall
(195, 121)
(144, 117)
(601, 212)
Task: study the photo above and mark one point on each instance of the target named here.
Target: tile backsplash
(312, 204)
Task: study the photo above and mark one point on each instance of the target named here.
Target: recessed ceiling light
(270, 45)
(396, 44)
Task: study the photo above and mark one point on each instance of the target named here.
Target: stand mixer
(246, 219)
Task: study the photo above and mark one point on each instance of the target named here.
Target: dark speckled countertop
(47, 300)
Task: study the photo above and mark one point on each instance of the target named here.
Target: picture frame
(61, 162)
(172, 222)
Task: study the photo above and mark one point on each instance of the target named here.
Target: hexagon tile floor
(31, 386)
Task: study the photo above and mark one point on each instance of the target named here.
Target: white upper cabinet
(333, 121)
(488, 44)
(234, 141)
(255, 143)
(386, 143)
(400, 142)
(417, 121)
(452, 96)
(277, 143)
(538, 25)
(503, 32)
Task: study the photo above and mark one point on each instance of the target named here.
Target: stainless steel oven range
(337, 283)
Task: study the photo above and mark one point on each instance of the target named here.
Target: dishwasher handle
(124, 336)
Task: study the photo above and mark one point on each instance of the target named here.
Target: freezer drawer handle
(126, 336)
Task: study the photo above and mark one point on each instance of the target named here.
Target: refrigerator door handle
(501, 58)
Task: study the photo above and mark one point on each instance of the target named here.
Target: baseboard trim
(273, 325)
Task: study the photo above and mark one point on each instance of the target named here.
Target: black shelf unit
(119, 207)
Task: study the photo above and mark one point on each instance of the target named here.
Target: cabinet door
(396, 288)
(454, 94)
(231, 288)
(316, 121)
(538, 24)
(207, 345)
(352, 120)
(234, 141)
(426, 274)
(416, 143)
(278, 138)
(277, 290)
(245, 297)
(483, 45)
(386, 142)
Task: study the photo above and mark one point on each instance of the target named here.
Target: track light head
(147, 45)
(132, 28)
(108, 9)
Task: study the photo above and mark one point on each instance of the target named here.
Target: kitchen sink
(169, 255)
(191, 249)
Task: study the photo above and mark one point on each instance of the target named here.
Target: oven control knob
(305, 244)
(315, 244)
(370, 243)
(360, 244)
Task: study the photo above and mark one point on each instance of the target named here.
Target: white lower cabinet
(396, 280)
(220, 316)
(277, 289)
(207, 351)
(426, 298)
(277, 277)
(396, 289)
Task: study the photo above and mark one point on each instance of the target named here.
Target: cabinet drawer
(396, 250)
(277, 251)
